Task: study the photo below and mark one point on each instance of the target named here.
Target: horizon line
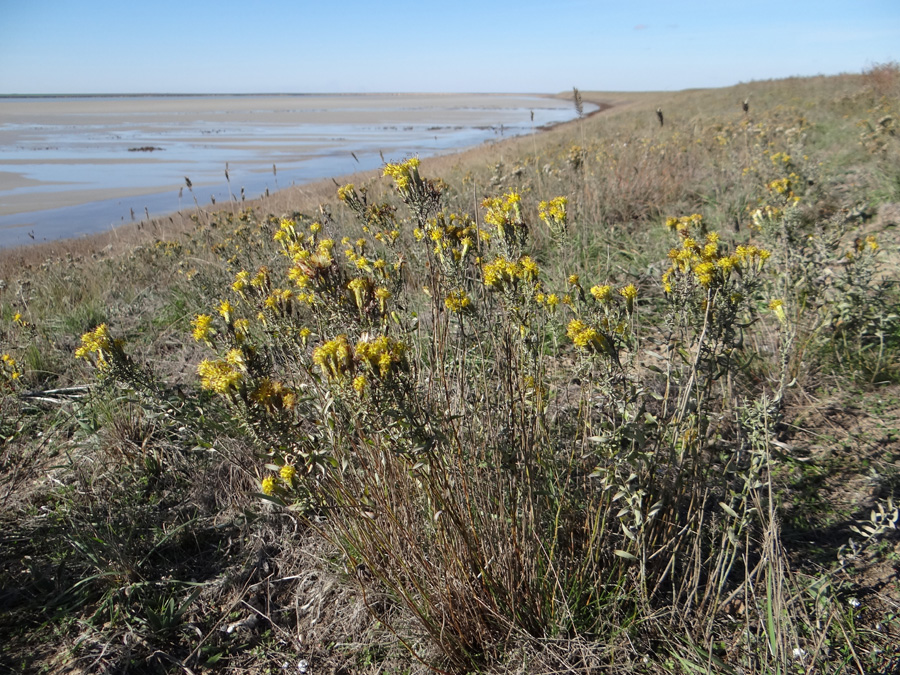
(279, 93)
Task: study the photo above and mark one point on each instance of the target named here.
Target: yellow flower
(503, 212)
(587, 338)
(359, 383)
(380, 354)
(499, 273)
(202, 327)
(273, 395)
(241, 280)
(601, 293)
(346, 192)
(225, 310)
(777, 306)
(334, 357)
(705, 273)
(382, 295)
(220, 377)
(666, 280)
(457, 301)
(96, 341)
(529, 268)
(360, 288)
(782, 186)
(287, 473)
(261, 279)
(553, 214)
(629, 292)
(269, 483)
(726, 265)
(298, 276)
(404, 173)
(8, 371)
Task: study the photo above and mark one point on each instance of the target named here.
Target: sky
(540, 46)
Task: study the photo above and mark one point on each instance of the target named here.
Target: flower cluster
(9, 373)
(587, 337)
(602, 293)
(630, 294)
(274, 396)
(405, 174)
(685, 223)
(202, 326)
(223, 376)
(777, 306)
(106, 351)
(381, 356)
(96, 341)
(422, 196)
(453, 236)
(502, 274)
(554, 215)
(784, 188)
(704, 262)
(457, 301)
(377, 219)
(870, 244)
(349, 195)
(334, 357)
(505, 214)
(273, 484)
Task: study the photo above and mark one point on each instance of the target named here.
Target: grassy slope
(114, 512)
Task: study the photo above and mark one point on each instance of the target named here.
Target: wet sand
(102, 140)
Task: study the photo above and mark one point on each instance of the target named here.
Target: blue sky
(208, 46)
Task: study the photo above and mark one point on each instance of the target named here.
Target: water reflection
(78, 149)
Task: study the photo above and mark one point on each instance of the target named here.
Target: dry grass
(133, 539)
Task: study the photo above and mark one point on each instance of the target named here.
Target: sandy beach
(127, 155)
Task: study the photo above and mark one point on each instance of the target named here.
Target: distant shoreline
(307, 136)
(271, 95)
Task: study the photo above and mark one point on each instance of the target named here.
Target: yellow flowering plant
(420, 195)
(10, 371)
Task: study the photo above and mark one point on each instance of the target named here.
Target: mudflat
(73, 165)
(140, 144)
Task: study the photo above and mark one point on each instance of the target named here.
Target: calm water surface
(62, 159)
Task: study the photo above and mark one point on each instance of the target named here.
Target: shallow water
(68, 165)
